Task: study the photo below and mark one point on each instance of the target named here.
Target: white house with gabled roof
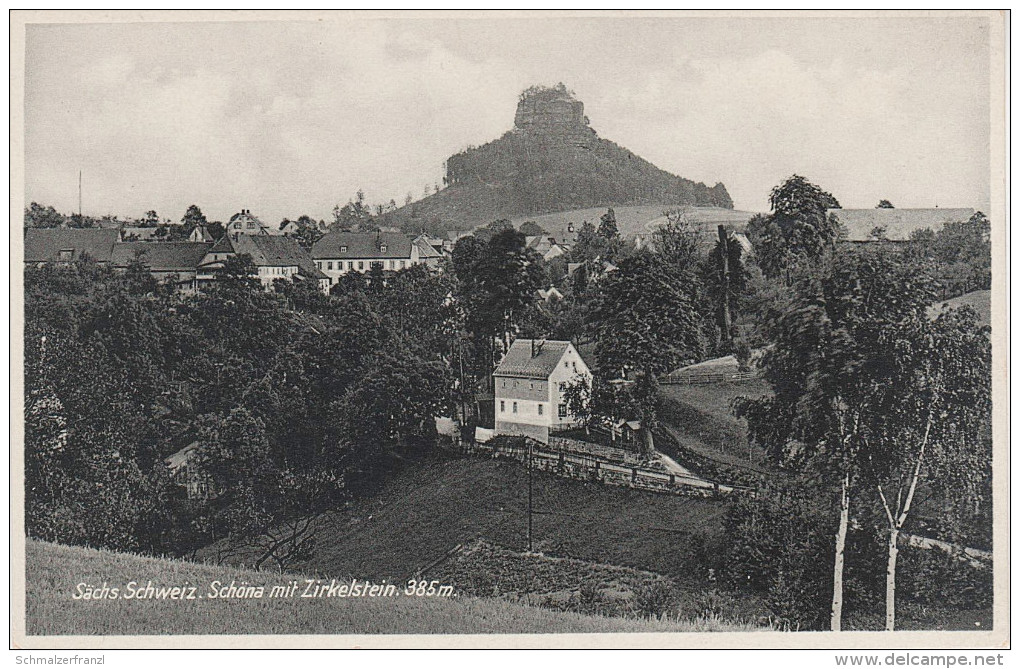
(530, 384)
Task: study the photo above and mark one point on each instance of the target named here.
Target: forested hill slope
(552, 160)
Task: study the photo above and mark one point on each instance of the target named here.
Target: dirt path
(673, 467)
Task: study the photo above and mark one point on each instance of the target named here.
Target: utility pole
(79, 194)
(531, 451)
(463, 385)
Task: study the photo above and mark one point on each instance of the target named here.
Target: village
(638, 402)
(527, 396)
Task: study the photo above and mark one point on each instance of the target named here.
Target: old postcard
(510, 330)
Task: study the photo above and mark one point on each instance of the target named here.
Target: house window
(361, 264)
(541, 408)
(574, 365)
(401, 264)
(343, 249)
(504, 383)
(251, 226)
(329, 265)
(350, 265)
(563, 387)
(382, 249)
(531, 386)
(515, 407)
(566, 364)
(502, 406)
(563, 410)
(318, 264)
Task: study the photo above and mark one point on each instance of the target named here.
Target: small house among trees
(530, 384)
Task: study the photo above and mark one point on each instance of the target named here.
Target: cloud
(864, 133)
(290, 118)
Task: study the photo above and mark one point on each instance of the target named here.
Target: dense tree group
(291, 401)
(873, 398)
(270, 388)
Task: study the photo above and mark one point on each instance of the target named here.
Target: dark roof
(161, 256)
(519, 361)
(539, 243)
(276, 251)
(222, 245)
(898, 223)
(361, 245)
(45, 244)
(425, 249)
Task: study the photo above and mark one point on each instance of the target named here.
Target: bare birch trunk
(890, 581)
(837, 574)
(896, 521)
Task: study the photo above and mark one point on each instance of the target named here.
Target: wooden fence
(588, 467)
(602, 452)
(704, 378)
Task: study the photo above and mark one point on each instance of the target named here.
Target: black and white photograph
(510, 330)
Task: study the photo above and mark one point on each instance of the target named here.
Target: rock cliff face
(550, 109)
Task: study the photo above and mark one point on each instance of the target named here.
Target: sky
(290, 118)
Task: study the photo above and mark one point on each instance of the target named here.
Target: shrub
(934, 577)
(780, 545)
(654, 598)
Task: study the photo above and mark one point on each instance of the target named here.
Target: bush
(780, 545)
(654, 598)
(934, 577)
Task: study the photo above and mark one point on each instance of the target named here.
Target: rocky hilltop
(552, 160)
(552, 110)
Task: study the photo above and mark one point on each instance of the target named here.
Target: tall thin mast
(79, 193)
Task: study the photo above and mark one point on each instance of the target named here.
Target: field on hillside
(54, 572)
(632, 220)
(428, 509)
(978, 300)
(700, 416)
(629, 219)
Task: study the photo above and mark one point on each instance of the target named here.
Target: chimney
(536, 346)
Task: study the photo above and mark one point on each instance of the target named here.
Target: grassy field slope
(432, 507)
(54, 572)
(978, 300)
(701, 418)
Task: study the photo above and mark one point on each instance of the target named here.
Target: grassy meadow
(701, 418)
(430, 507)
(54, 571)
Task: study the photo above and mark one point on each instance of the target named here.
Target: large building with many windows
(338, 253)
(529, 387)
